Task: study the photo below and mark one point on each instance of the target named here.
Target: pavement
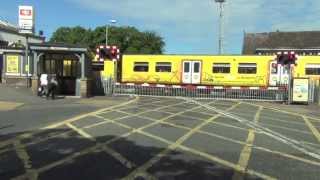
(158, 138)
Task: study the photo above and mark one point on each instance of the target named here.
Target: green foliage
(129, 39)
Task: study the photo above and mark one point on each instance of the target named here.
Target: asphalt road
(165, 138)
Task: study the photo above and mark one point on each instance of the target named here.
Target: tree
(129, 39)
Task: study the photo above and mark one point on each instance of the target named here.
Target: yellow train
(234, 70)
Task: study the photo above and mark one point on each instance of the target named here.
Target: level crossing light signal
(108, 52)
(286, 58)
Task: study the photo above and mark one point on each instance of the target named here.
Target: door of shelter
(65, 67)
(191, 72)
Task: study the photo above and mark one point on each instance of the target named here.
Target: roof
(280, 40)
(10, 28)
(58, 47)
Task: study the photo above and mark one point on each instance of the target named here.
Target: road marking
(283, 111)
(313, 129)
(246, 151)
(234, 141)
(174, 145)
(8, 106)
(25, 158)
(88, 114)
(99, 145)
(288, 129)
(110, 151)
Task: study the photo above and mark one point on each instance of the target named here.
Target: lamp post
(221, 35)
(107, 29)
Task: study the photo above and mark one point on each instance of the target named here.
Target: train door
(191, 72)
(279, 74)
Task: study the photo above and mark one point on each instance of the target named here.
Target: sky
(187, 26)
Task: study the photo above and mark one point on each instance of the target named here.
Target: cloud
(195, 22)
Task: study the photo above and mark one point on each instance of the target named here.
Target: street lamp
(221, 33)
(107, 28)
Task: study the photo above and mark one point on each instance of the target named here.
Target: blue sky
(188, 26)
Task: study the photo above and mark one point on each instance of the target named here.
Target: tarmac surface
(156, 138)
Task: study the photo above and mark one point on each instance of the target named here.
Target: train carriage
(211, 70)
(196, 70)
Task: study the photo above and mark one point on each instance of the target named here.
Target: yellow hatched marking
(232, 140)
(283, 111)
(173, 146)
(110, 151)
(88, 114)
(313, 129)
(246, 151)
(25, 158)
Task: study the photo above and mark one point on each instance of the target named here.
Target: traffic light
(108, 53)
(286, 58)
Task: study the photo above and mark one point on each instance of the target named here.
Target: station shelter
(69, 63)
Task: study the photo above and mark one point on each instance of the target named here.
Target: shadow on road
(63, 154)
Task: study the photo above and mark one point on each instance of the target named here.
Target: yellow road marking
(90, 149)
(313, 129)
(246, 151)
(289, 129)
(110, 151)
(174, 145)
(234, 141)
(283, 111)
(7, 106)
(88, 114)
(25, 158)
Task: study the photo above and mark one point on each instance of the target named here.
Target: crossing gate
(200, 92)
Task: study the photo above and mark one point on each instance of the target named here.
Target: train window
(196, 67)
(313, 69)
(163, 67)
(141, 67)
(221, 68)
(186, 67)
(247, 68)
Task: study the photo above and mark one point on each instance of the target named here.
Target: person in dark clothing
(52, 86)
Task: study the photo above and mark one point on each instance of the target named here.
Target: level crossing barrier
(200, 92)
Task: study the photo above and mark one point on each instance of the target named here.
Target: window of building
(247, 68)
(221, 68)
(141, 67)
(70, 68)
(274, 68)
(312, 69)
(163, 67)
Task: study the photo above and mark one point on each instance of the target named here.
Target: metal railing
(201, 92)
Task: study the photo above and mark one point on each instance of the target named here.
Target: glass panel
(274, 68)
(247, 68)
(163, 67)
(141, 67)
(312, 71)
(221, 68)
(186, 67)
(196, 67)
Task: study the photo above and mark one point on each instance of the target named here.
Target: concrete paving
(164, 138)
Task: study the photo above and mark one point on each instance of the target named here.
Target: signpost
(26, 26)
(300, 91)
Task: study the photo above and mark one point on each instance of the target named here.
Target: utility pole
(107, 29)
(221, 24)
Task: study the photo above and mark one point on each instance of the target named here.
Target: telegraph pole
(221, 24)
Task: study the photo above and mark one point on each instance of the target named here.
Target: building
(269, 43)
(70, 63)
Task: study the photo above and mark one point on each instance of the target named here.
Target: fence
(279, 93)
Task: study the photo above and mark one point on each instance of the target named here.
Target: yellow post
(109, 69)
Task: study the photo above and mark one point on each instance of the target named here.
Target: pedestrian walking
(52, 86)
(43, 85)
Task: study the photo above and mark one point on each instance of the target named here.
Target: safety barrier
(202, 92)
